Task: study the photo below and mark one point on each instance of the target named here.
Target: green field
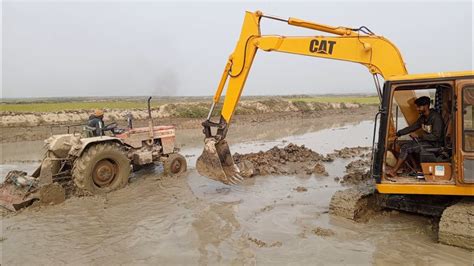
(62, 106)
(337, 99)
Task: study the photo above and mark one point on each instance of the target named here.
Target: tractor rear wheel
(102, 168)
(174, 164)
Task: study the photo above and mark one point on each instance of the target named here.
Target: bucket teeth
(216, 162)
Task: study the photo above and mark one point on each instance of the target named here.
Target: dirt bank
(175, 110)
(40, 132)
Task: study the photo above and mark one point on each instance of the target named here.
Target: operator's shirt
(97, 123)
(432, 125)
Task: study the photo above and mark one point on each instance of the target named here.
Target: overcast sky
(108, 48)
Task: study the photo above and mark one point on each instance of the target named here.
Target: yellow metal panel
(426, 189)
(222, 82)
(241, 59)
(378, 54)
(375, 52)
(321, 27)
(431, 75)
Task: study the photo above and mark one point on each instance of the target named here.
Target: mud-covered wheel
(102, 168)
(174, 164)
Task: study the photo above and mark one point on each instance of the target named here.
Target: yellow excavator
(446, 184)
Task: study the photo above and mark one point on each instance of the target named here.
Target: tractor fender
(78, 148)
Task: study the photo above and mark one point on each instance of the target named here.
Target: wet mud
(323, 232)
(357, 172)
(289, 160)
(191, 220)
(299, 160)
(350, 152)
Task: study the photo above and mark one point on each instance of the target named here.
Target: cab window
(468, 115)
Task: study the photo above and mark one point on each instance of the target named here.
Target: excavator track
(456, 226)
(352, 203)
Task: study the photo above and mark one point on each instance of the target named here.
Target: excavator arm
(378, 54)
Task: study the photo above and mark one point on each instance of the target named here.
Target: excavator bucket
(216, 162)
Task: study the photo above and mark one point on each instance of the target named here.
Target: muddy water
(193, 220)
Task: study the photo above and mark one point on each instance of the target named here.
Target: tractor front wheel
(174, 164)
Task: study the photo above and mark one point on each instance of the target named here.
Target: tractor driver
(433, 126)
(96, 121)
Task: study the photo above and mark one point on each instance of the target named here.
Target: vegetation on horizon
(128, 104)
(339, 99)
(69, 106)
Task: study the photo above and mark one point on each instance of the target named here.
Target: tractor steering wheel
(113, 127)
(110, 127)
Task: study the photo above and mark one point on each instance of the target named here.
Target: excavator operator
(96, 122)
(431, 123)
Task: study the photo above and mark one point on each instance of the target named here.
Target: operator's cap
(99, 112)
(424, 100)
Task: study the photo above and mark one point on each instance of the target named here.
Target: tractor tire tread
(81, 170)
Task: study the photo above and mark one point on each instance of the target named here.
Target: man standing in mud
(433, 126)
(96, 121)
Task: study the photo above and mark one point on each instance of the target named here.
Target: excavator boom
(378, 54)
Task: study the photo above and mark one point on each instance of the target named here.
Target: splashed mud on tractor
(92, 165)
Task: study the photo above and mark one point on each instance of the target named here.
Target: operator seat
(439, 154)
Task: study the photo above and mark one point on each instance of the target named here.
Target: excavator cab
(418, 165)
(451, 163)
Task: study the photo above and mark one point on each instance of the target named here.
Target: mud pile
(348, 153)
(356, 177)
(358, 171)
(263, 244)
(290, 160)
(299, 160)
(323, 232)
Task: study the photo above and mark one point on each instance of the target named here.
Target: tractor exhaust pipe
(129, 120)
(150, 123)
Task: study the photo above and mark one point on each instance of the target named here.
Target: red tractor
(96, 165)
